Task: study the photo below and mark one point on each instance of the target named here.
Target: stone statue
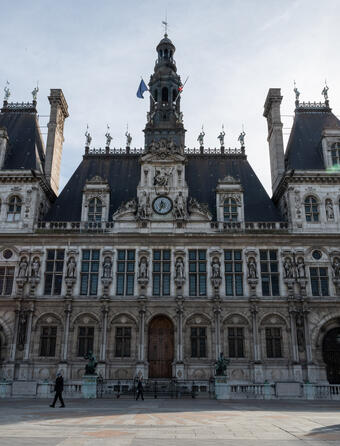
(221, 365)
(297, 93)
(23, 265)
(7, 92)
(215, 268)
(90, 368)
(200, 138)
(71, 268)
(301, 270)
(128, 139)
(22, 328)
(162, 176)
(35, 268)
(144, 205)
(325, 92)
(288, 268)
(88, 137)
(336, 268)
(35, 93)
(179, 267)
(329, 209)
(241, 138)
(180, 206)
(221, 137)
(143, 268)
(252, 272)
(108, 137)
(107, 268)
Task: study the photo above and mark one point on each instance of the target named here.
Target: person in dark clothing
(58, 388)
(140, 390)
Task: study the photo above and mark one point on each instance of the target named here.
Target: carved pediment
(163, 149)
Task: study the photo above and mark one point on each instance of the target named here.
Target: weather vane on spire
(165, 24)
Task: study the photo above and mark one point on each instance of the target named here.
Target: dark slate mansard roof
(25, 148)
(122, 172)
(304, 148)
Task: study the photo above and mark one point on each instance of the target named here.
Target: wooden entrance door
(161, 347)
(331, 355)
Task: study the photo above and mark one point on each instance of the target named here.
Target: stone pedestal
(89, 386)
(297, 373)
(222, 389)
(258, 374)
(5, 389)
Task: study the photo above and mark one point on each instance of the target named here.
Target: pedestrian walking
(58, 388)
(140, 390)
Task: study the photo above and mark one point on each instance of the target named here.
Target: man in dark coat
(58, 388)
(140, 390)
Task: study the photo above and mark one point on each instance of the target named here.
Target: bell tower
(165, 120)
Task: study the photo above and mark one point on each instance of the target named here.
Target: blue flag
(141, 89)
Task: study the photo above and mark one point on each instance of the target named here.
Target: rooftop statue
(35, 93)
(221, 136)
(88, 137)
(200, 138)
(241, 138)
(7, 92)
(325, 92)
(108, 137)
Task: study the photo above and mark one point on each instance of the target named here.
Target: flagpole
(180, 92)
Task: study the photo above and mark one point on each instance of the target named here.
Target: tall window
(165, 94)
(198, 342)
(6, 280)
(269, 272)
(319, 281)
(14, 208)
(236, 342)
(197, 272)
(335, 151)
(311, 209)
(161, 272)
(233, 272)
(89, 272)
(95, 209)
(48, 340)
(125, 272)
(123, 342)
(85, 340)
(274, 342)
(230, 209)
(54, 271)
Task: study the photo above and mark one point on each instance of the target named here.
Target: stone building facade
(158, 260)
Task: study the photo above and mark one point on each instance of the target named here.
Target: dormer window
(311, 209)
(230, 209)
(14, 208)
(335, 153)
(95, 207)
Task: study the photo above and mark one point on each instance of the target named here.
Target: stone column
(15, 335)
(28, 333)
(68, 311)
(141, 366)
(257, 354)
(295, 351)
(105, 311)
(309, 354)
(180, 330)
(217, 313)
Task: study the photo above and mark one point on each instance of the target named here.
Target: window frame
(268, 273)
(15, 202)
(196, 340)
(6, 279)
(125, 277)
(271, 342)
(311, 215)
(230, 208)
(237, 341)
(89, 273)
(55, 273)
(317, 281)
(47, 339)
(123, 341)
(232, 277)
(86, 337)
(97, 212)
(161, 273)
(197, 267)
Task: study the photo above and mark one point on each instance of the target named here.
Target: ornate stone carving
(129, 207)
(71, 268)
(252, 269)
(107, 275)
(336, 274)
(163, 148)
(143, 272)
(162, 176)
(179, 273)
(199, 208)
(288, 268)
(23, 266)
(297, 201)
(215, 277)
(144, 208)
(180, 211)
(329, 209)
(300, 268)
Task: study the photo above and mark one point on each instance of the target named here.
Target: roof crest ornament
(88, 137)
(297, 95)
(7, 92)
(35, 92)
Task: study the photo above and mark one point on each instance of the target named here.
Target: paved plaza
(169, 423)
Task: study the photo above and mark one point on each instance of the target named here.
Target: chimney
(55, 137)
(3, 145)
(275, 137)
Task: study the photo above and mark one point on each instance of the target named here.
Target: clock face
(162, 205)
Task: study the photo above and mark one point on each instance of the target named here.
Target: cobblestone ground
(169, 423)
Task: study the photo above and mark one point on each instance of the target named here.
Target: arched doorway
(331, 355)
(161, 347)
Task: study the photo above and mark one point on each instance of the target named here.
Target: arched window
(230, 209)
(311, 209)
(14, 208)
(95, 209)
(165, 94)
(166, 53)
(335, 151)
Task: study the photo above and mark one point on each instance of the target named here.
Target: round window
(317, 255)
(7, 254)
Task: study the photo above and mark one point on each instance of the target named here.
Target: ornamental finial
(7, 91)
(221, 136)
(325, 92)
(108, 136)
(88, 137)
(35, 92)
(297, 94)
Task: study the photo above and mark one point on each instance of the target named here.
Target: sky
(232, 50)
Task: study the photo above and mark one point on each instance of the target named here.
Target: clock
(162, 205)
